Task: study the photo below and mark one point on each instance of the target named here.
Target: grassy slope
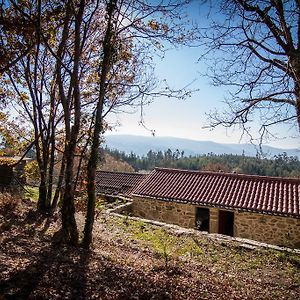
(134, 260)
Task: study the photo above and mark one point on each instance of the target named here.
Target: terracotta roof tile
(272, 195)
(117, 183)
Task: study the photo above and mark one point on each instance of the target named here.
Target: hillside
(140, 145)
(112, 164)
(280, 165)
(135, 260)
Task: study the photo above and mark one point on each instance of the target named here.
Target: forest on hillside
(280, 165)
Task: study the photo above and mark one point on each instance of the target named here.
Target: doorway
(202, 219)
(226, 221)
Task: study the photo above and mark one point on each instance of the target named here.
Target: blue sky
(186, 118)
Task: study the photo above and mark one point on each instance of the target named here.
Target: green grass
(32, 193)
(224, 257)
(100, 203)
(162, 242)
(288, 257)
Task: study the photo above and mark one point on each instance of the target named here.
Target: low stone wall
(125, 209)
(164, 211)
(281, 231)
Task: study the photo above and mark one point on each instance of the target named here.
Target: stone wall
(213, 220)
(281, 231)
(164, 211)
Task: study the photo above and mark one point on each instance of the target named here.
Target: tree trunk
(78, 173)
(41, 205)
(58, 189)
(91, 174)
(297, 94)
(90, 215)
(50, 178)
(69, 232)
(94, 156)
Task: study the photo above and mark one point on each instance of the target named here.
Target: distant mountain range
(140, 145)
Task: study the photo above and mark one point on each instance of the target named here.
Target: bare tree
(70, 98)
(31, 97)
(134, 30)
(104, 69)
(255, 49)
(99, 56)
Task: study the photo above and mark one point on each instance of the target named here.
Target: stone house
(261, 208)
(117, 184)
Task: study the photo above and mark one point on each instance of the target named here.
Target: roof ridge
(119, 172)
(226, 174)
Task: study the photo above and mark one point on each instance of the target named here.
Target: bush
(8, 203)
(32, 173)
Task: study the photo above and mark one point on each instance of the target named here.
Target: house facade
(261, 208)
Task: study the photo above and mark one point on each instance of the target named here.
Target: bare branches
(88, 59)
(255, 51)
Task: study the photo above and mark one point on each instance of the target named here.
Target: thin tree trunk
(58, 190)
(69, 231)
(82, 155)
(64, 102)
(94, 155)
(51, 169)
(91, 174)
(41, 205)
(80, 165)
(297, 93)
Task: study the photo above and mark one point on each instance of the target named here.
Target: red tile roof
(117, 183)
(272, 195)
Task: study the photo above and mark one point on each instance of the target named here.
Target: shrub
(32, 172)
(8, 203)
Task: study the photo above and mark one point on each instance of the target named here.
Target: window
(202, 219)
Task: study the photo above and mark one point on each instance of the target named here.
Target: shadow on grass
(52, 273)
(30, 266)
(33, 268)
(74, 273)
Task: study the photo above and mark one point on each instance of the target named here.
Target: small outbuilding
(261, 208)
(117, 184)
(12, 174)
